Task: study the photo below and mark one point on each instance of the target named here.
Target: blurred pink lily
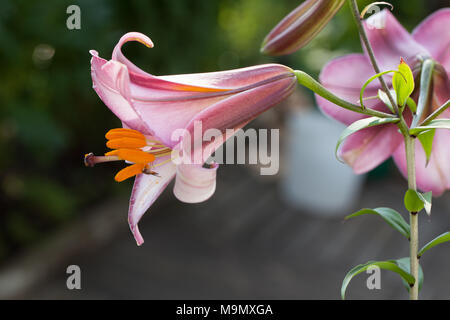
(345, 76)
(152, 108)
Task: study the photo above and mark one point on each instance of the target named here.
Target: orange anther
(123, 133)
(132, 155)
(127, 143)
(129, 172)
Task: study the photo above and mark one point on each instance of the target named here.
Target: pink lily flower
(152, 108)
(345, 76)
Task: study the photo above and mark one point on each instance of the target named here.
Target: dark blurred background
(50, 116)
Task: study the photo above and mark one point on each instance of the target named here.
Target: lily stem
(370, 52)
(413, 218)
(410, 150)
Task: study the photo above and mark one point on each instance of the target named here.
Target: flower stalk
(413, 218)
(427, 70)
(309, 82)
(365, 40)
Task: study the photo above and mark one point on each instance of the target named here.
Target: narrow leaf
(426, 138)
(426, 90)
(413, 203)
(374, 5)
(426, 199)
(363, 89)
(434, 124)
(384, 97)
(445, 237)
(392, 217)
(391, 265)
(359, 125)
(405, 265)
(412, 105)
(436, 113)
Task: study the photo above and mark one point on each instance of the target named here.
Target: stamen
(133, 146)
(132, 155)
(123, 133)
(130, 171)
(91, 160)
(126, 143)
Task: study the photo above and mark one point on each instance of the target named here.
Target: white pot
(313, 179)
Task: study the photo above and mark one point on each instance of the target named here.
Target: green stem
(413, 217)
(370, 52)
(309, 82)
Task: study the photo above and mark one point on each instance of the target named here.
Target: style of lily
(300, 26)
(428, 45)
(152, 108)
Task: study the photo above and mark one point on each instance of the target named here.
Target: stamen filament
(162, 163)
(160, 155)
(91, 160)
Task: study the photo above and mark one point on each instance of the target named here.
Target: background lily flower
(345, 76)
(299, 27)
(157, 106)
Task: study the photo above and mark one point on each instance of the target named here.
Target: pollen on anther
(129, 172)
(132, 155)
(127, 143)
(124, 133)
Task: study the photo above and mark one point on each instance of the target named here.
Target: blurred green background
(50, 116)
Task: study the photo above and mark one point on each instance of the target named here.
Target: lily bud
(299, 27)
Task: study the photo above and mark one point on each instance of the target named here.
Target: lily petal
(368, 148)
(436, 176)
(112, 84)
(146, 190)
(344, 77)
(216, 81)
(169, 103)
(390, 41)
(239, 109)
(426, 34)
(195, 183)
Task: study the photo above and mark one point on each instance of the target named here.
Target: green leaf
(403, 83)
(413, 203)
(392, 217)
(436, 113)
(412, 105)
(425, 90)
(426, 199)
(445, 237)
(391, 265)
(426, 138)
(384, 97)
(435, 124)
(363, 89)
(405, 265)
(359, 125)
